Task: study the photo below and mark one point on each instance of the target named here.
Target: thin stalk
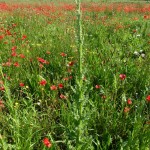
(80, 71)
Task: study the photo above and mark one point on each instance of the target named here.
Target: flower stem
(80, 71)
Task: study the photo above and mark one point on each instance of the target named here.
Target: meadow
(52, 98)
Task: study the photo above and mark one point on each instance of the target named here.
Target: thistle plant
(80, 74)
(80, 111)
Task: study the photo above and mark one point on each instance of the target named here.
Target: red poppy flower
(16, 64)
(21, 55)
(97, 86)
(65, 79)
(43, 82)
(1, 37)
(2, 88)
(14, 54)
(8, 32)
(41, 60)
(63, 54)
(21, 84)
(60, 85)
(122, 76)
(71, 63)
(148, 98)
(47, 143)
(14, 48)
(14, 25)
(6, 64)
(53, 87)
(41, 66)
(24, 37)
(62, 96)
(129, 101)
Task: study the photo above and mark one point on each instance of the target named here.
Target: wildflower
(41, 66)
(14, 48)
(142, 51)
(47, 143)
(62, 96)
(1, 37)
(14, 25)
(71, 63)
(53, 87)
(97, 86)
(148, 98)
(122, 76)
(43, 82)
(16, 64)
(143, 55)
(2, 88)
(6, 64)
(27, 87)
(8, 32)
(60, 85)
(65, 79)
(129, 101)
(21, 55)
(136, 53)
(24, 37)
(63, 54)
(126, 109)
(14, 54)
(21, 84)
(41, 60)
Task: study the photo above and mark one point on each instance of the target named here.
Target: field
(71, 82)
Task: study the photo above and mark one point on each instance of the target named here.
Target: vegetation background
(39, 76)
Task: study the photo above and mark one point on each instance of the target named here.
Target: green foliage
(93, 104)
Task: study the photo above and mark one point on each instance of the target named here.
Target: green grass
(33, 111)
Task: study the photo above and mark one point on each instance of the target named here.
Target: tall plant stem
(80, 72)
(80, 40)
